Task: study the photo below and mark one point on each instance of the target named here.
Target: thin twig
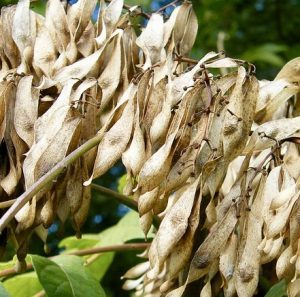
(85, 252)
(185, 59)
(129, 202)
(49, 177)
(111, 248)
(121, 198)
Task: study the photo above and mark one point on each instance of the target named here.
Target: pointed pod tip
(89, 181)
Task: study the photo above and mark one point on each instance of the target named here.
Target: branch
(129, 202)
(49, 177)
(111, 248)
(85, 252)
(121, 198)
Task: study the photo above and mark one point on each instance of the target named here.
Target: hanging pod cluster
(215, 157)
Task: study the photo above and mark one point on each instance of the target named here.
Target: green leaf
(39, 7)
(23, 285)
(3, 292)
(278, 290)
(267, 53)
(126, 229)
(66, 276)
(99, 266)
(72, 243)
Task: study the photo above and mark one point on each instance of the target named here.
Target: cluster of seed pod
(214, 157)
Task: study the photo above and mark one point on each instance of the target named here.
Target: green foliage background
(264, 32)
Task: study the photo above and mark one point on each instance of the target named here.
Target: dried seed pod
(172, 228)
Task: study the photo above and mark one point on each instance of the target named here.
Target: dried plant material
(79, 15)
(26, 215)
(239, 116)
(78, 69)
(114, 141)
(23, 33)
(190, 33)
(147, 200)
(112, 14)
(222, 63)
(56, 21)
(80, 216)
(263, 137)
(290, 71)
(26, 110)
(151, 40)
(181, 253)
(44, 54)
(171, 229)
(247, 276)
(228, 258)
(157, 167)
(110, 77)
(212, 158)
(210, 249)
(9, 47)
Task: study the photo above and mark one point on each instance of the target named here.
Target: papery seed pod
(181, 253)
(147, 200)
(26, 215)
(284, 268)
(206, 291)
(137, 270)
(172, 228)
(293, 288)
(146, 222)
(47, 212)
(274, 251)
(227, 259)
(80, 216)
(114, 141)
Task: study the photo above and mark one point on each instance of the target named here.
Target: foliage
(210, 152)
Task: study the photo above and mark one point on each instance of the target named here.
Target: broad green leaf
(72, 243)
(126, 229)
(267, 53)
(99, 266)
(278, 290)
(23, 285)
(3, 292)
(5, 265)
(39, 7)
(66, 276)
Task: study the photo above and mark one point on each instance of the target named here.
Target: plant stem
(111, 248)
(49, 177)
(90, 251)
(129, 202)
(121, 198)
